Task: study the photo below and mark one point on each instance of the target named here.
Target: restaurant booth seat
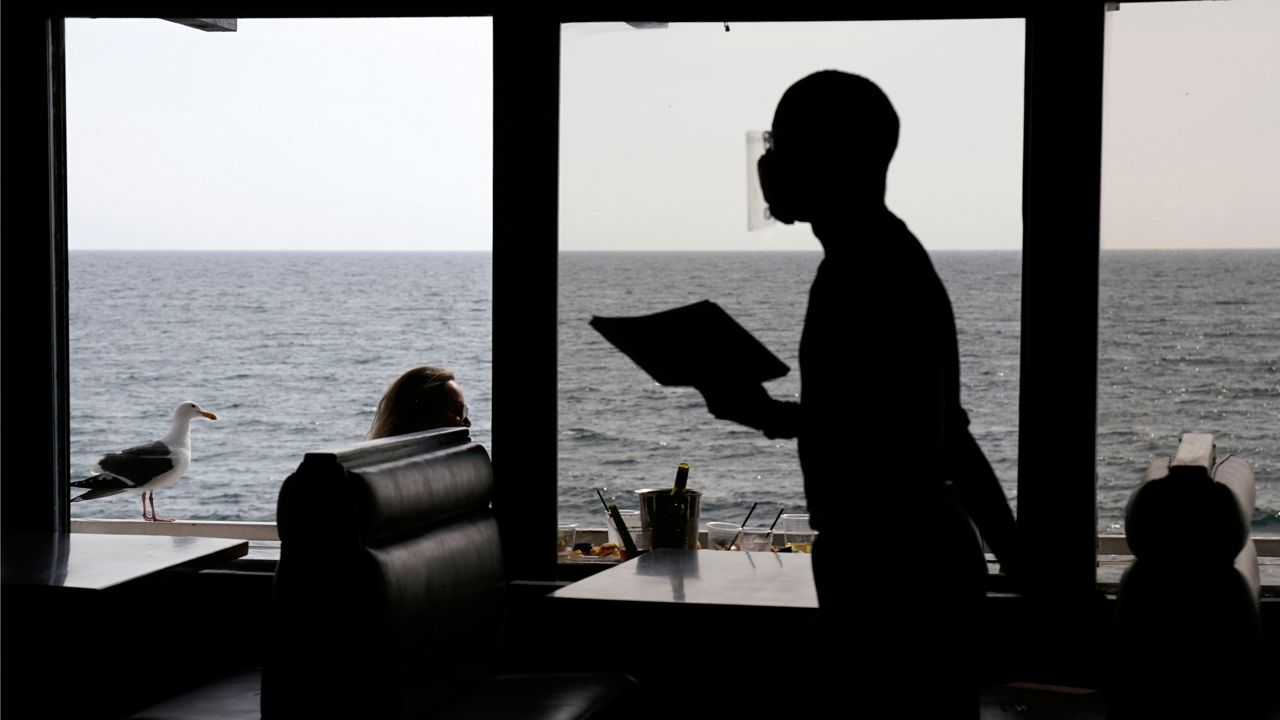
(1189, 638)
(389, 599)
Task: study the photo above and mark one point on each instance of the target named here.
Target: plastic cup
(722, 535)
(797, 533)
(755, 538)
(632, 520)
(565, 538)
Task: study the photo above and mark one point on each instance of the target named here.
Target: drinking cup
(632, 520)
(797, 533)
(722, 535)
(565, 538)
(755, 538)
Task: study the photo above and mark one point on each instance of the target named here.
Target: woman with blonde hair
(421, 399)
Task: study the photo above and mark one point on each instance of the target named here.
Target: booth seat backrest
(1187, 610)
(388, 598)
(1195, 514)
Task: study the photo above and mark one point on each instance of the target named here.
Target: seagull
(146, 468)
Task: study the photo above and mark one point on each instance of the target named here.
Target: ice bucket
(670, 521)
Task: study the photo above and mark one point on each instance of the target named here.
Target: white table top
(706, 577)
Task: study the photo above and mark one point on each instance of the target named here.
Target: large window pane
(1189, 303)
(274, 223)
(653, 214)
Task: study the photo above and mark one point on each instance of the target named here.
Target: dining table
(704, 578)
(94, 621)
(691, 625)
(94, 562)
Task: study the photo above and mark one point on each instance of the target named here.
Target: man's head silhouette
(833, 136)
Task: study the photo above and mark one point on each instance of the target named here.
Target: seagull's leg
(143, 498)
(154, 517)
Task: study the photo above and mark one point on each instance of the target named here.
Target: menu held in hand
(698, 344)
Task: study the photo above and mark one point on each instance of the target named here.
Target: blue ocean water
(292, 350)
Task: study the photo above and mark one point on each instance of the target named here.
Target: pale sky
(653, 122)
(376, 133)
(1191, 138)
(314, 134)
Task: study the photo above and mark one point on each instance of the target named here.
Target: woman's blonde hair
(415, 401)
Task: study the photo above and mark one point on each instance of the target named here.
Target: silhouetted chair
(389, 599)
(1188, 607)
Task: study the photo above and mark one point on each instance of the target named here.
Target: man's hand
(745, 403)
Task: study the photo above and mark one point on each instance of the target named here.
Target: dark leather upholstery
(1159, 510)
(389, 595)
(388, 601)
(1187, 612)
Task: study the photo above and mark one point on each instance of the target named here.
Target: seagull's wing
(138, 465)
(103, 486)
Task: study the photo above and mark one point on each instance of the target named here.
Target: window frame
(1058, 354)
(1062, 169)
(126, 523)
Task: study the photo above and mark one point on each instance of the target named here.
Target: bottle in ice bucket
(670, 514)
(682, 478)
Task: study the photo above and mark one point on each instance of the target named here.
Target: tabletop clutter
(669, 517)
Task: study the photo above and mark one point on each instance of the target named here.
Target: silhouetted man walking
(892, 475)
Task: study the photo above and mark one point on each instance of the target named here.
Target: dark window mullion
(1057, 504)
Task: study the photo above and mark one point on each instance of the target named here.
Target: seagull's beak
(209, 415)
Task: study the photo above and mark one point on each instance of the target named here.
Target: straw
(748, 517)
(777, 518)
(738, 534)
(623, 532)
